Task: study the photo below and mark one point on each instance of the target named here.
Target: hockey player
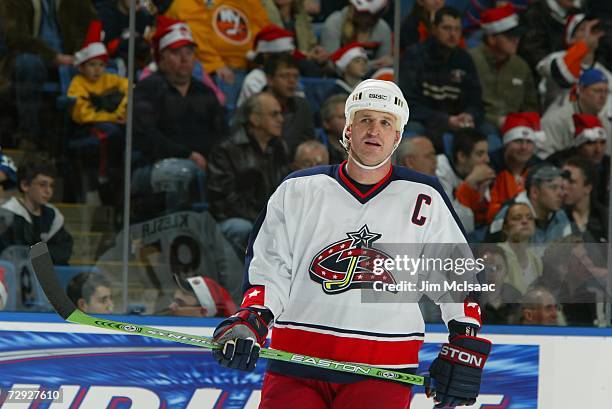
(304, 271)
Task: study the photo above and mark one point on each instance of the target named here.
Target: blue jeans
(236, 231)
(30, 74)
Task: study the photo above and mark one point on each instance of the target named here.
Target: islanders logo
(231, 24)
(349, 263)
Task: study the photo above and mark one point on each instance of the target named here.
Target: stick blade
(43, 268)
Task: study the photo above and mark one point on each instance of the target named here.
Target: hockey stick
(43, 268)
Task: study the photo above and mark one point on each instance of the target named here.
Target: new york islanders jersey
(306, 257)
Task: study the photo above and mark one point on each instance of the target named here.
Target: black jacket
(439, 82)
(168, 125)
(20, 227)
(241, 177)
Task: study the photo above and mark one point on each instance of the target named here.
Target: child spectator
(351, 63)
(91, 293)
(29, 218)
(100, 106)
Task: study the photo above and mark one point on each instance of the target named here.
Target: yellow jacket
(222, 29)
(84, 110)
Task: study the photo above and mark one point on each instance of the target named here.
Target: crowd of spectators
(510, 108)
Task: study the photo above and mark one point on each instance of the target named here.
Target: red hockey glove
(242, 335)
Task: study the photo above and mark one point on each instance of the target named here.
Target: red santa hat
(93, 47)
(499, 19)
(588, 129)
(171, 33)
(517, 126)
(370, 6)
(213, 297)
(342, 57)
(571, 24)
(273, 39)
(535, 120)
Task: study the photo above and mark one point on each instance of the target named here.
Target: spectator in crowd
(114, 15)
(603, 10)
(440, 81)
(524, 266)
(544, 195)
(472, 13)
(360, 21)
(589, 98)
(416, 26)
(588, 217)
(539, 307)
(498, 307)
(333, 120)
(283, 75)
(201, 297)
(91, 293)
(351, 62)
(561, 70)
(223, 31)
(292, 15)
(417, 153)
(245, 169)
(544, 23)
(512, 161)
(270, 41)
(467, 176)
(8, 174)
(29, 218)
(590, 141)
(310, 154)
(99, 109)
(506, 79)
(40, 36)
(175, 116)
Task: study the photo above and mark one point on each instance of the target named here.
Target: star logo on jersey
(349, 263)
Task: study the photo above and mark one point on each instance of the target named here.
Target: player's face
(550, 194)
(519, 225)
(574, 187)
(100, 302)
(185, 305)
(93, 69)
(520, 150)
(40, 190)
(372, 135)
(177, 64)
(594, 151)
(448, 32)
(335, 124)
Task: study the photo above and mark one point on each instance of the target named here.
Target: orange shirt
(222, 29)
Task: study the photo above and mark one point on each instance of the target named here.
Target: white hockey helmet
(376, 95)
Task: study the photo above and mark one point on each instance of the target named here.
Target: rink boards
(529, 367)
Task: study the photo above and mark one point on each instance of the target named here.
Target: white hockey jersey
(301, 264)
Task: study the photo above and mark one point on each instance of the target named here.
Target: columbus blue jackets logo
(349, 263)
